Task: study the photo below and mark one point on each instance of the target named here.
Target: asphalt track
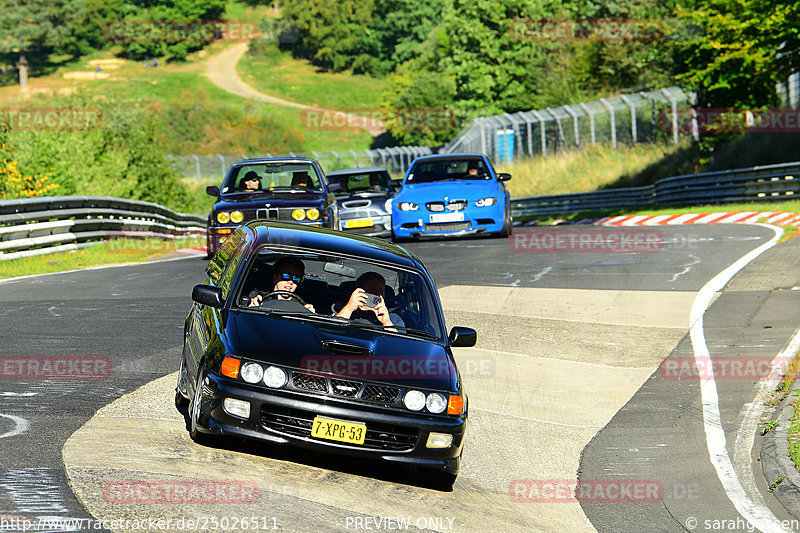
(569, 343)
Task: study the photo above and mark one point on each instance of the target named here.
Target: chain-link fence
(211, 168)
(625, 119)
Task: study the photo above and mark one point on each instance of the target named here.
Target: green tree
(31, 27)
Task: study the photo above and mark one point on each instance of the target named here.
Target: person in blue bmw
(358, 308)
(288, 271)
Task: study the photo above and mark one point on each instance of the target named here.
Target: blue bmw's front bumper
(475, 220)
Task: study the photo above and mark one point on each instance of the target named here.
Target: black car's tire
(181, 400)
(194, 410)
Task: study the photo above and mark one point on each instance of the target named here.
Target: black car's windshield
(448, 170)
(272, 178)
(338, 290)
(344, 184)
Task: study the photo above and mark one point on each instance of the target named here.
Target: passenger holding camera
(367, 302)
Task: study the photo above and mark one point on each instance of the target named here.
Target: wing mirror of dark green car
(208, 295)
(461, 337)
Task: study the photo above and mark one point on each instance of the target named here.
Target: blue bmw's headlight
(407, 206)
(486, 202)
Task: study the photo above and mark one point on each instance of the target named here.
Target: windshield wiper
(413, 331)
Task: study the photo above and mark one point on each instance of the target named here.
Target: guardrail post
(222, 159)
(613, 121)
(197, 167)
(483, 135)
(633, 115)
(653, 118)
(544, 135)
(561, 139)
(574, 116)
(355, 157)
(674, 103)
(591, 122)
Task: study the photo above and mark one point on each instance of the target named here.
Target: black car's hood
(357, 353)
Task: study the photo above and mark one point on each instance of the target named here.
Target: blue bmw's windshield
(448, 170)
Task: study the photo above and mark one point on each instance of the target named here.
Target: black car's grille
(309, 383)
(377, 393)
(349, 389)
(297, 422)
(448, 226)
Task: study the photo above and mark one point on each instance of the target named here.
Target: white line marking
(20, 426)
(98, 268)
(16, 394)
(758, 515)
(745, 437)
(710, 218)
(536, 419)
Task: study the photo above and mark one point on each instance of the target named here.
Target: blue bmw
(452, 194)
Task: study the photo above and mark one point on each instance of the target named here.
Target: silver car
(364, 197)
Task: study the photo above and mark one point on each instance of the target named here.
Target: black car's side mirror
(461, 337)
(395, 184)
(212, 190)
(208, 295)
(503, 176)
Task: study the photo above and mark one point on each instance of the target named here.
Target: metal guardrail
(35, 226)
(212, 168)
(764, 183)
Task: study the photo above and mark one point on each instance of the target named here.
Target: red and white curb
(197, 250)
(744, 217)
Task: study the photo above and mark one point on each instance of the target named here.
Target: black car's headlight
(275, 377)
(436, 402)
(223, 217)
(251, 372)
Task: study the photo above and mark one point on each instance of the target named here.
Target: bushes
(121, 158)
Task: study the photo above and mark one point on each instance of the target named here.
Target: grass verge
(111, 252)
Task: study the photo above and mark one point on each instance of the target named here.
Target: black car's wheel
(194, 409)
(181, 394)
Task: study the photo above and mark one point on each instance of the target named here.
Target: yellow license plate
(350, 432)
(358, 223)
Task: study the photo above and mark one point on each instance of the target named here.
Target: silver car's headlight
(388, 205)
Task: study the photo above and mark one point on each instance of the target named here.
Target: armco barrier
(766, 183)
(35, 226)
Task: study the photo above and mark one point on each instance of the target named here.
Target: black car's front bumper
(285, 417)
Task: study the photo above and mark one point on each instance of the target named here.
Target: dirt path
(221, 70)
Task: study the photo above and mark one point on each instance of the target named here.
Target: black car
(279, 372)
(364, 197)
(281, 189)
